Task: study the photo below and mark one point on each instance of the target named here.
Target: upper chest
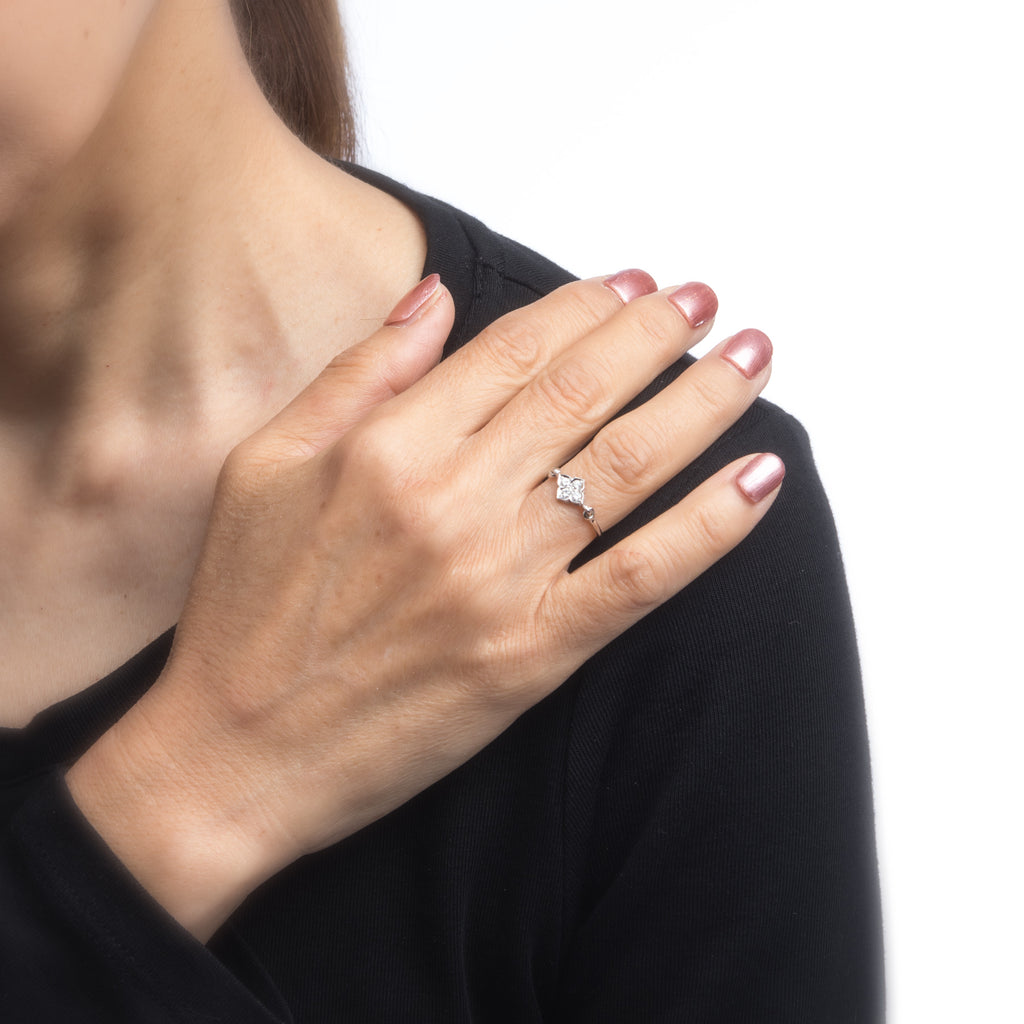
(82, 590)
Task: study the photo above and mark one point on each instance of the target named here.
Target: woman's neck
(188, 270)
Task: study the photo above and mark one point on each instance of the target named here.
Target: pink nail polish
(414, 303)
(750, 352)
(631, 284)
(696, 301)
(760, 476)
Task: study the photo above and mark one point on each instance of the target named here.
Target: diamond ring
(570, 489)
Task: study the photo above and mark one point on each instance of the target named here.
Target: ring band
(570, 489)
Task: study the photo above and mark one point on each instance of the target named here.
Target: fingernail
(696, 301)
(750, 352)
(415, 303)
(760, 476)
(631, 284)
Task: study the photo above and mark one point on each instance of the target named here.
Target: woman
(373, 588)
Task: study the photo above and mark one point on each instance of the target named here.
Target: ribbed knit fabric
(681, 833)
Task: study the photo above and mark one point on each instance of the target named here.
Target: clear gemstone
(570, 488)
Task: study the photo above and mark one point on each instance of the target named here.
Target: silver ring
(570, 489)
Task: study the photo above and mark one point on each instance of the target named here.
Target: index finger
(466, 391)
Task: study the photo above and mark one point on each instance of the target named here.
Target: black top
(682, 832)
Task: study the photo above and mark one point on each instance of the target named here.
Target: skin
(174, 268)
(159, 303)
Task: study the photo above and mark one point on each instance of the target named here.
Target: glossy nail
(750, 352)
(760, 476)
(415, 303)
(696, 301)
(631, 284)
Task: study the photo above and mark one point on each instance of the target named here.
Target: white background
(848, 178)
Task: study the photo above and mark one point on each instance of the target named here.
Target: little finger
(609, 593)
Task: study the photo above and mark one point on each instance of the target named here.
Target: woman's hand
(384, 583)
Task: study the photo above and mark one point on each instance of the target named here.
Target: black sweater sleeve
(82, 942)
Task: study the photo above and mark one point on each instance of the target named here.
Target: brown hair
(296, 49)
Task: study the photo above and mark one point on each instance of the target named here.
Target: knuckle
(586, 305)
(370, 469)
(495, 643)
(488, 660)
(626, 455)
(652, 325)
(241, 458)
(363, 365)
(417, 517)
(637, 580)
(247, 469)
(371, 450)
(516, 349)
(714, 400)
(573, 390)
(711, 531)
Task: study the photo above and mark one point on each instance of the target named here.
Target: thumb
(365, 375)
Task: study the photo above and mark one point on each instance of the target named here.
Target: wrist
(172, 823)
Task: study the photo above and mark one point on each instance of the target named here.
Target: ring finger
(634, 455)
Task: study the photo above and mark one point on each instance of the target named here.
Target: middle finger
(580, 390)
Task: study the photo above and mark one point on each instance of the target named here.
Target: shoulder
(487, 274)
(714, 811)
